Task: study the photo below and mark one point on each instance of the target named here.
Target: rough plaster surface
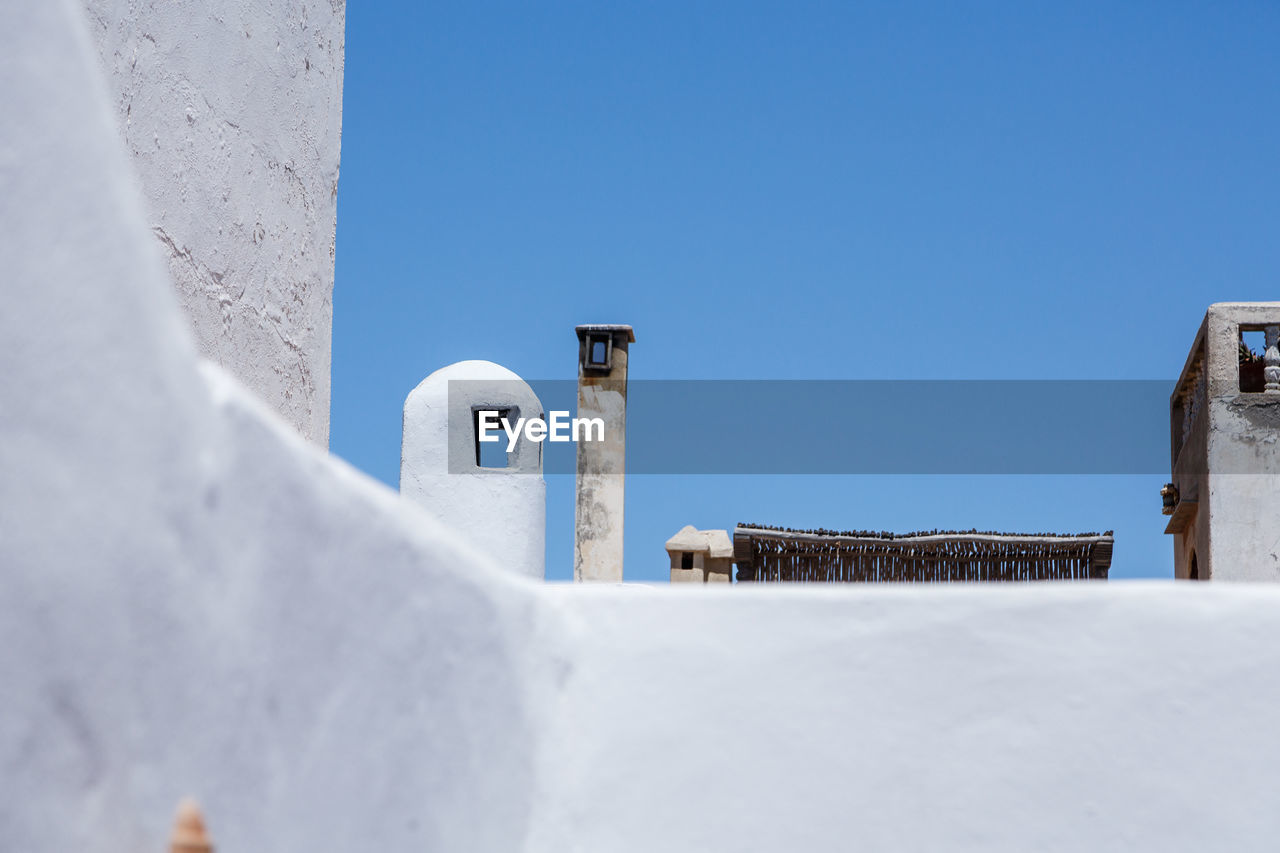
(501, 512)
(1231, 461)
(1244, 455)
(600, 486)
(195, 600)
(232, 112)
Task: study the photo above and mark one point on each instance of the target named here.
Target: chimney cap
(608, 328)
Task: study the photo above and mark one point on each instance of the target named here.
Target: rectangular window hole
(598, 347)
(686, 559)
(491, 454)
(1253, 343)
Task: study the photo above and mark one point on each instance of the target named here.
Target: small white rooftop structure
(502, 511)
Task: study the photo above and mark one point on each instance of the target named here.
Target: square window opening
(491, 454)
(598, 347)
(1253, 343)
(686, 559)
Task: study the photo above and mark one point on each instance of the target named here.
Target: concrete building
(1224, 419)
(603, 352)
(700, 556)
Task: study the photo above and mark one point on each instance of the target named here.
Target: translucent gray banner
(867, 427)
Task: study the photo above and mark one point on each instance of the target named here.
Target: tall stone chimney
(602, 393)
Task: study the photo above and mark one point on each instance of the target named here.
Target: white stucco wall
(232, 112)
(502, 512)
(192, 597)
(195, 600)
(1046, 717)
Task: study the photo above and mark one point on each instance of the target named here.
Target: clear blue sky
(800, 190)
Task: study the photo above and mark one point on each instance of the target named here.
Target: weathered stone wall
(1228, 467)
(1243, 454)
(232, 112)
(600, 488)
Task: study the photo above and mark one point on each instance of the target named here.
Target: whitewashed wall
(502, 512)
(192, 597)
(195, 600)
(232, 112)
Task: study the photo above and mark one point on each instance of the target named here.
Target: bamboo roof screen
(773, 554)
